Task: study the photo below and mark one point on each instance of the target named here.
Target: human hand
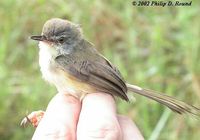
(66, 118)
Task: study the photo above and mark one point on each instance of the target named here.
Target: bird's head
(59, 34)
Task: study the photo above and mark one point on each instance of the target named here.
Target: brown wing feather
(99, 75)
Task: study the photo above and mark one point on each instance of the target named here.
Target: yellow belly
(68, 84)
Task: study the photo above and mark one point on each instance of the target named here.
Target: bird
(73, 65)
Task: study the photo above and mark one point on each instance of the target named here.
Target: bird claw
(34, 118)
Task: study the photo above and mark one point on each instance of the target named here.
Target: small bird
(71, 63)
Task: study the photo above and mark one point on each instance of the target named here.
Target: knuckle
(108, 132)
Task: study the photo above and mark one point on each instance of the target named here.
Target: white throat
(47, 54)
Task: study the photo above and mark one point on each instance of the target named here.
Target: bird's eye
(61, 39)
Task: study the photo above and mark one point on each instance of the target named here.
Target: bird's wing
(112, 66)
(96, 74)
(89, 46)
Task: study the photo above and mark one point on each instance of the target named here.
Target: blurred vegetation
(154, 47)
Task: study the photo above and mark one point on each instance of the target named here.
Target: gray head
(60, 32)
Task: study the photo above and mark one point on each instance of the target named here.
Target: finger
(98, 119)
(60, 119)
(129, 129)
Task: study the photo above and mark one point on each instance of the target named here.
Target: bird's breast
(64, 82)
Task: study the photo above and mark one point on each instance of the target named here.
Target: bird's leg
(33, 118)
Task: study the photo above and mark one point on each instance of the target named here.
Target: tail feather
(174, 104)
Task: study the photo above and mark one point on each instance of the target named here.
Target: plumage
(102, 77)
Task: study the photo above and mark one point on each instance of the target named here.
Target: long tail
(174, 104)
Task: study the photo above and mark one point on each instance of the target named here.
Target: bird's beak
(38, 37)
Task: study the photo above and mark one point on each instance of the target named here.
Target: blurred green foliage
(154, 47)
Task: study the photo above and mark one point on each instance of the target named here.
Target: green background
(154, 47)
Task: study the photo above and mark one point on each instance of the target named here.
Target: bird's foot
(33, 118)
